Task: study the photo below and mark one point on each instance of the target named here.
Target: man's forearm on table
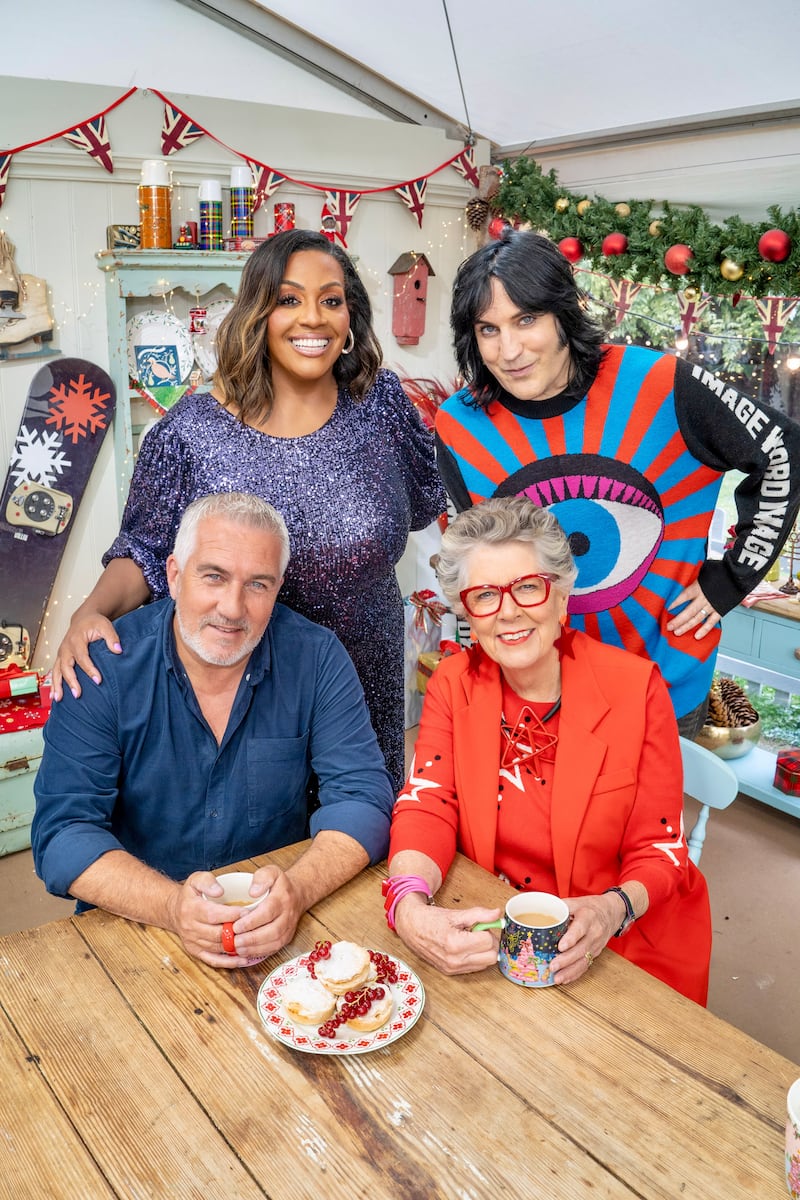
(330, 861)
(121, 884)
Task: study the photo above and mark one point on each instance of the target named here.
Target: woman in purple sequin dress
(302, 415)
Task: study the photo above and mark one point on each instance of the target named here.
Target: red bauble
(615, 243)
(775, 245)
(678, 259)
(571, 248)
(496, 227)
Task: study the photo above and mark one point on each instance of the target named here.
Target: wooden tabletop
(789, 608)
(129, 1069)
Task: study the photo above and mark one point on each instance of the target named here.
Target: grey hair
(496, 521)
(240, 507)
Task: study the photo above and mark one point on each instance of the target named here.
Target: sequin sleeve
(414, 446)
(160, 490)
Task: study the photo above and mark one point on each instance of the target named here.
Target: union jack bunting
(265, 181)
(93, 138)
(178, 130)
(5, 167)
(343, 206)
(413, 196)
(465, 165)
(691, 311)
(775, 313)
(624, 293)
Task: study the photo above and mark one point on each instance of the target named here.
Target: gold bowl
(730, 743)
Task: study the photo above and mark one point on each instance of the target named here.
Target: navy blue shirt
(133, 765)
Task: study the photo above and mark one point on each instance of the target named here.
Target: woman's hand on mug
(594, 921)
(444, 937)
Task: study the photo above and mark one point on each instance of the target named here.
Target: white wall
(59, 202)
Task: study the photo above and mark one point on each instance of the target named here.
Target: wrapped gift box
(429, 661)
(426, 665)
(24, 708)
(427, 621)
(787, 772)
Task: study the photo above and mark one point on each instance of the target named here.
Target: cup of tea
(236, 892)
(793, 1140)
(531, 930)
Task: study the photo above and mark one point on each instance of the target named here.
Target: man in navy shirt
(199, 748)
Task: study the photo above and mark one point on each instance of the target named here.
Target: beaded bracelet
(396, 887)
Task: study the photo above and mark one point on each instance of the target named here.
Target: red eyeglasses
(486, 599)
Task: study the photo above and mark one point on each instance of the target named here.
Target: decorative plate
(204, 341)
(159, 350)
(409, 1001)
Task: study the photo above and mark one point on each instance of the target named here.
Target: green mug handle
(498, 924)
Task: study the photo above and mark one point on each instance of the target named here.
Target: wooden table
(129, 1069)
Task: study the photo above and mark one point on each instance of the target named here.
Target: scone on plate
(307, 1002)
(345, 969)
(380, 1009)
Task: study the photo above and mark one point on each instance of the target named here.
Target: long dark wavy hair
(244, 374)
(538, 279)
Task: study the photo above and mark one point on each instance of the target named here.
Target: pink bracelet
(396, 887)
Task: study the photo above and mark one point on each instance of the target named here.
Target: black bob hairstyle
(538, 279)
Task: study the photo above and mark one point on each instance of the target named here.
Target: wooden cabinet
(763, 644)
(136, 279)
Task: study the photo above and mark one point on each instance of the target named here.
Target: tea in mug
(237, 903)
(537, 920)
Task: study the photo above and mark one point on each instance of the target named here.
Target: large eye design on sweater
(611, 514)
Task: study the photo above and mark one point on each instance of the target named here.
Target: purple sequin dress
(349, 493)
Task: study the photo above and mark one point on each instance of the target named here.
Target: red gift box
(787, 772)
(25, 699)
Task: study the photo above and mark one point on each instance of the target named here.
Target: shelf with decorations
(136, 282)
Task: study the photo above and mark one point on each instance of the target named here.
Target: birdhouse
(411, 272)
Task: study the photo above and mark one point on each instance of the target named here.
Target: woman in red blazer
(551, 760)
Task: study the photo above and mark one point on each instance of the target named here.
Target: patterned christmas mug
(532, 927)
(793, 1140)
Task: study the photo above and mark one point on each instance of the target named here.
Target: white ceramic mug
(793, 1140)
(236, 892)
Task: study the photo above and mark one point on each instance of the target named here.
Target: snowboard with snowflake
(67, 414)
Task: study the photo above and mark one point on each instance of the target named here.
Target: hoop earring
(349, 349)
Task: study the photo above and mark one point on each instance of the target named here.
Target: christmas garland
(672, 247)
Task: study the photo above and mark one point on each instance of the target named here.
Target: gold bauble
(731, 270)
(622, 210)
(562, 204)
(692, 293)
(583, 206)
(654, 228)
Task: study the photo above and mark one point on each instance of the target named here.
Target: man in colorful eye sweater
(627, 446)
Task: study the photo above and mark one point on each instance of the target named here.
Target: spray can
(210, 197)
(242, 192)
(155, 206)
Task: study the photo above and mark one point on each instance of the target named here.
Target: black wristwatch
(630, 915)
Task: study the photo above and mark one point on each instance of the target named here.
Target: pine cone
(716, 708)
(738, 709)
(477, 211)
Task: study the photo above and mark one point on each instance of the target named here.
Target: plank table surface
(130, 1069)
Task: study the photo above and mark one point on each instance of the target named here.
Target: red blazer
(617, 792)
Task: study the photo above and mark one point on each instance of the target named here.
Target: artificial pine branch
(528, 195)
